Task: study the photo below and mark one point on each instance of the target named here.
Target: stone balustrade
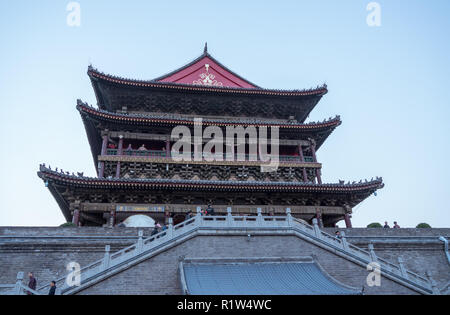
(202, 225)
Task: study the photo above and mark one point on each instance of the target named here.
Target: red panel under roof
(206, 71)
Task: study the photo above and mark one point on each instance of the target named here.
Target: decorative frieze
(212, 104)
(135, 170)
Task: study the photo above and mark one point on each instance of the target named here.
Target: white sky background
(388, 83)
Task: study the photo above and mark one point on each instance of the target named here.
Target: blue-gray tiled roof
(260, 279)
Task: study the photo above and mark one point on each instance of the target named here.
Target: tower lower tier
(109, 201)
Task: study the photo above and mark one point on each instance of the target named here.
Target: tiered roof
(81, 180)
(171, 119)
(53, 178)
(205, 88)
(206, 76)
(319, 131)
(98, 76)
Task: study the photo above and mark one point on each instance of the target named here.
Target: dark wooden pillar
(347, 217)
(302, 158)
(319, 176)
(348, 222)
(166, 215)
(119, 153)
(319, 218)
(101, 171)
(104, 144)
(313, 151)
(112, 218)
(168, 155)
(118, 170)
(76, 217)
(120, 148)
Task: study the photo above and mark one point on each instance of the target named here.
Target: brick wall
(46, 251)
(420, 249)
(159, 275)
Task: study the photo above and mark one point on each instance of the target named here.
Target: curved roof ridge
(81, 106)
(93, 72)
(372, 184)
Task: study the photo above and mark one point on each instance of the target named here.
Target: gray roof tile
(260, 279)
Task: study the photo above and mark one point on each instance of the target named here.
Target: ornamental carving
(134, 170)
(207, 78)
(206, 104)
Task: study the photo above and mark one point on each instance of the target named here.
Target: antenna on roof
(205, 50)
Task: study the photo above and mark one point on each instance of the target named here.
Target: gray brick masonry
(46, 251)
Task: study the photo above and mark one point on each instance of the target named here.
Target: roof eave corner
(81, 104)
(325, 87)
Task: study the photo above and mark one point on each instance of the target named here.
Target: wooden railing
(144, 153)
(245, 157)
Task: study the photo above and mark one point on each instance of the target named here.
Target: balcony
(163, 154)
(144, 153)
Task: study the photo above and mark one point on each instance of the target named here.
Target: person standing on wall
(52, 290)
(32, 283)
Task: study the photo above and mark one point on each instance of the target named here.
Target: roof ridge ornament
(205, 50)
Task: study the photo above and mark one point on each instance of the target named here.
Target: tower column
(168, 155)
(313, 152)
(347, 217)
(167, 215)
(319, 218)
(101, 166)
(76, 217)
(112, 218)
(348, 222)
(104, 144)
(120, 153)
(120, 148)
(118, 170)
(302, 158)
(319, 176)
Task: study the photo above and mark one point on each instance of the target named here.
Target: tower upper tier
(203, 87)
(207, 71)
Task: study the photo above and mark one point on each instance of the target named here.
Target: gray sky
(388, 83)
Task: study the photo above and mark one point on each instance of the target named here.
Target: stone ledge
(375, 232)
